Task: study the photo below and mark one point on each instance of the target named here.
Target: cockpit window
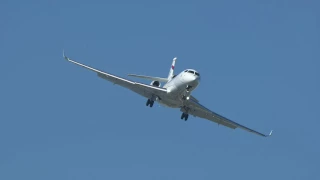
(192, 72)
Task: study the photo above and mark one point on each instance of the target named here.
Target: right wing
(145, 90)
(196, 109)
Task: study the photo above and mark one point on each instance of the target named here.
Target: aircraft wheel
(151, 103)
(186, 117)
(182, 116)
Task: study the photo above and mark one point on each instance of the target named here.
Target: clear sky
(259, 62)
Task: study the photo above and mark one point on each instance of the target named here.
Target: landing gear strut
(185, 116)
(186, 93)
(149, 103)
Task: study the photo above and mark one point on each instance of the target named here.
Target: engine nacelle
(155, 83)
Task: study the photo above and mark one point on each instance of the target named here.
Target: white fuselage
(179, 88)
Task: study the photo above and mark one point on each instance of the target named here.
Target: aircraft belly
(173, 99)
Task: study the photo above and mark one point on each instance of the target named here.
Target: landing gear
(149, 103)
(188, 87)
(185, 116)
(186, 94)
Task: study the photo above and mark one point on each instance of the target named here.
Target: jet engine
(156, 83)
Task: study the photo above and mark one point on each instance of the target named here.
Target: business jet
(175, 93)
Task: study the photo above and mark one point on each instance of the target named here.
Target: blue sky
(259, 62)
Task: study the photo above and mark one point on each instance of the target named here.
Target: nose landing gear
(186, 94)
(188, 87)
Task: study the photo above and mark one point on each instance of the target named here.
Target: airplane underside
(176, 99)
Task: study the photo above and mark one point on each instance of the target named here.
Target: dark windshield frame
(190, 71)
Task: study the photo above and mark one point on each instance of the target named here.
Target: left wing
(145, 90)
(196, 109)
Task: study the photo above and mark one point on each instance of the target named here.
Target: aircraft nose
(198, 79)
(192, 79)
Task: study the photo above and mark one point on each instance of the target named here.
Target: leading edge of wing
(234, 123)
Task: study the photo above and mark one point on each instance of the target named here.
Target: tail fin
(172, 69)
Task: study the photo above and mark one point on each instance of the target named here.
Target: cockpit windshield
(192, 72)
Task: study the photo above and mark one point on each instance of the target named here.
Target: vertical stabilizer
(172, 69)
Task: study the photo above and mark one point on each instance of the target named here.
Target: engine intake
(155, 83)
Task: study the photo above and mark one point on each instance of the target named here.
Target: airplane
(175, 93)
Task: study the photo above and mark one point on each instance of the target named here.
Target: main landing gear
(185, 111)
(149, 103)
(185, 116)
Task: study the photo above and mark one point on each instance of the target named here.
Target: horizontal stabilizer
(149, 78)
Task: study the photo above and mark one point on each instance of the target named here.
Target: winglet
(64, 56)
(270, 133)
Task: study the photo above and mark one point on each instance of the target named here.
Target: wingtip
(270, 133)
(64, 55)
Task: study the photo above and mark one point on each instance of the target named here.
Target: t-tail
(160, 79)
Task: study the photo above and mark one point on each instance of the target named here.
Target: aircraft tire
(182, 116)
(186, 117)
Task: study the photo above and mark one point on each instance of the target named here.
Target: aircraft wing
(196, 109)
(145, 90)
